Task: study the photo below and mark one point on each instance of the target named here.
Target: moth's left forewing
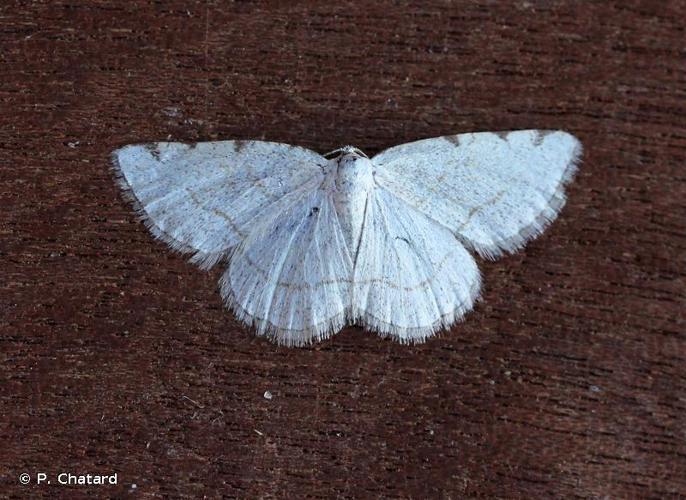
(553, 153)
(494, 190)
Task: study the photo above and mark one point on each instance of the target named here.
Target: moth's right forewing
(202, 198)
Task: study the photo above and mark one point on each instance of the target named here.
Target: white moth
(317, 242)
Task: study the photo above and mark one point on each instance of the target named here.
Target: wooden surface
(567, 380)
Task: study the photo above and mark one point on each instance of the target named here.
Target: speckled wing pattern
(269, 210)
(494, 191)
(203, 198)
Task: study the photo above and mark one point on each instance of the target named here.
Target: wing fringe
(279, 335)
(556, 202)
(202, 259)
(419, 335)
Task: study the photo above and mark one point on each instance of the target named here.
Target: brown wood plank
(116, 355)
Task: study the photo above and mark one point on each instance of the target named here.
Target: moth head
(349, 168)
(345, 154)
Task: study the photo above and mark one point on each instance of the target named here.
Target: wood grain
(116, 355)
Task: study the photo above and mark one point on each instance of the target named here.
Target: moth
(315, 242)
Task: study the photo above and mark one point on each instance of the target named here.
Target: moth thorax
(353, 183)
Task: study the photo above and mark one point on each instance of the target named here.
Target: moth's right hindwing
(291, 278)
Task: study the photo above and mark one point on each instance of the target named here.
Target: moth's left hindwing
(412, 277)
